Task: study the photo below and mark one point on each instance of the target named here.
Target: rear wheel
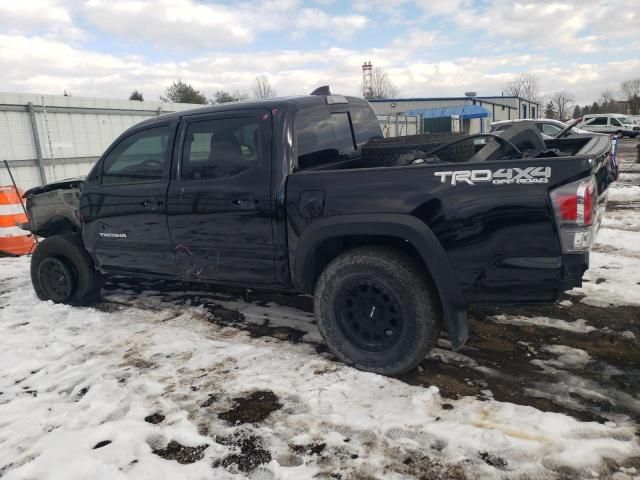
(376, 310)
(62, 271)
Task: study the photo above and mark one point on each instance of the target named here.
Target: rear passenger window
(323, 137)
(597, 121)
(220, 148)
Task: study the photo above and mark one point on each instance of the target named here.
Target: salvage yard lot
(165, 381)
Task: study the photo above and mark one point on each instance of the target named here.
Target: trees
(381, 85)
(561, 102)
(550, 111)
(136, 95)
(631, 90)
(222, 96)
(524, 85)
(181, 92)
(608, 102)
(577, 112)
(262, 87)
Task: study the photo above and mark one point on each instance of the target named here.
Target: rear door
(219, 205)
(123, 203)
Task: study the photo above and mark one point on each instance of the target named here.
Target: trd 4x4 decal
(501, 176)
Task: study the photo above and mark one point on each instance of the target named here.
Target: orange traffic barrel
(13, 240)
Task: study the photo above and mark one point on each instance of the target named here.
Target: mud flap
(457, 324)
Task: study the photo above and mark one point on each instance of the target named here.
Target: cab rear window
(323, 137)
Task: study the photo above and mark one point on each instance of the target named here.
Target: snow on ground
(578, 326)
(624, 193)
(621, 287)
(616, 256)
(619, 239)
(77, 378)
(568, 356)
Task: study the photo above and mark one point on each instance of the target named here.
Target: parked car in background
(611, 123)
(549, 128)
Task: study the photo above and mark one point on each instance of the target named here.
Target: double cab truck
(394, 238)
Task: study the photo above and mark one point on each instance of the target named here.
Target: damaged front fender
(53, 208)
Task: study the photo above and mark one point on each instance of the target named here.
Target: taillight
(574, 206)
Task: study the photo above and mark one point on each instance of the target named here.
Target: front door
(123, 204)
(219, 206)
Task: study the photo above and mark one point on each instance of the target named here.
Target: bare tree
(631, 90)
(262, 87)
(608, 101)
(524, 85)
(381, 85)
(562, 102)
(607, 96)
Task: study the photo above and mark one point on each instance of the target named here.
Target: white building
(52, 137)
(406, 115)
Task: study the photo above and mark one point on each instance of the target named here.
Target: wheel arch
(325, 239)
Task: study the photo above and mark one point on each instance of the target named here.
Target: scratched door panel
(219, 208)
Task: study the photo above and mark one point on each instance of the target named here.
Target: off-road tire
(69, 250)
(421, 322)
(387, 151)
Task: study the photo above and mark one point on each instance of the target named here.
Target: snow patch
(568, 356)
(619, 192)
(579, 326)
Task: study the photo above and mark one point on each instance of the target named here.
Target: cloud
(46, 17)
(581, 26)
(342, 25)
(43, 65)
(188, 24)
(200, 43)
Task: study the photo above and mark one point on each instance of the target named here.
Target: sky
(430, 48)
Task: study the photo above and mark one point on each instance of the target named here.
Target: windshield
(626, 120)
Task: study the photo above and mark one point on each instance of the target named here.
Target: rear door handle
(246, 203)
(152, 204)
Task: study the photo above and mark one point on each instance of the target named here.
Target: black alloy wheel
(369, 315)
(56, 279)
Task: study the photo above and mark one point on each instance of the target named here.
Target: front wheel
(62, 271)
(377, 311)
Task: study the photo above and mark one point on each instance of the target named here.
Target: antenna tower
(367, 80)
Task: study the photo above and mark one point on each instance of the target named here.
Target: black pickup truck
(395, 238)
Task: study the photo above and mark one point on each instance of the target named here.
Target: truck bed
(487, 215)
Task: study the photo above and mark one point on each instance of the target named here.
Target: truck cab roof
(298, 102)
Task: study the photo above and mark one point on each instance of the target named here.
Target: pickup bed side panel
(499, 238)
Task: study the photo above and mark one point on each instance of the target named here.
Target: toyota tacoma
(395, 238)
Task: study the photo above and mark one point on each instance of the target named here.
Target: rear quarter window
(365, 124)
(323, 137)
